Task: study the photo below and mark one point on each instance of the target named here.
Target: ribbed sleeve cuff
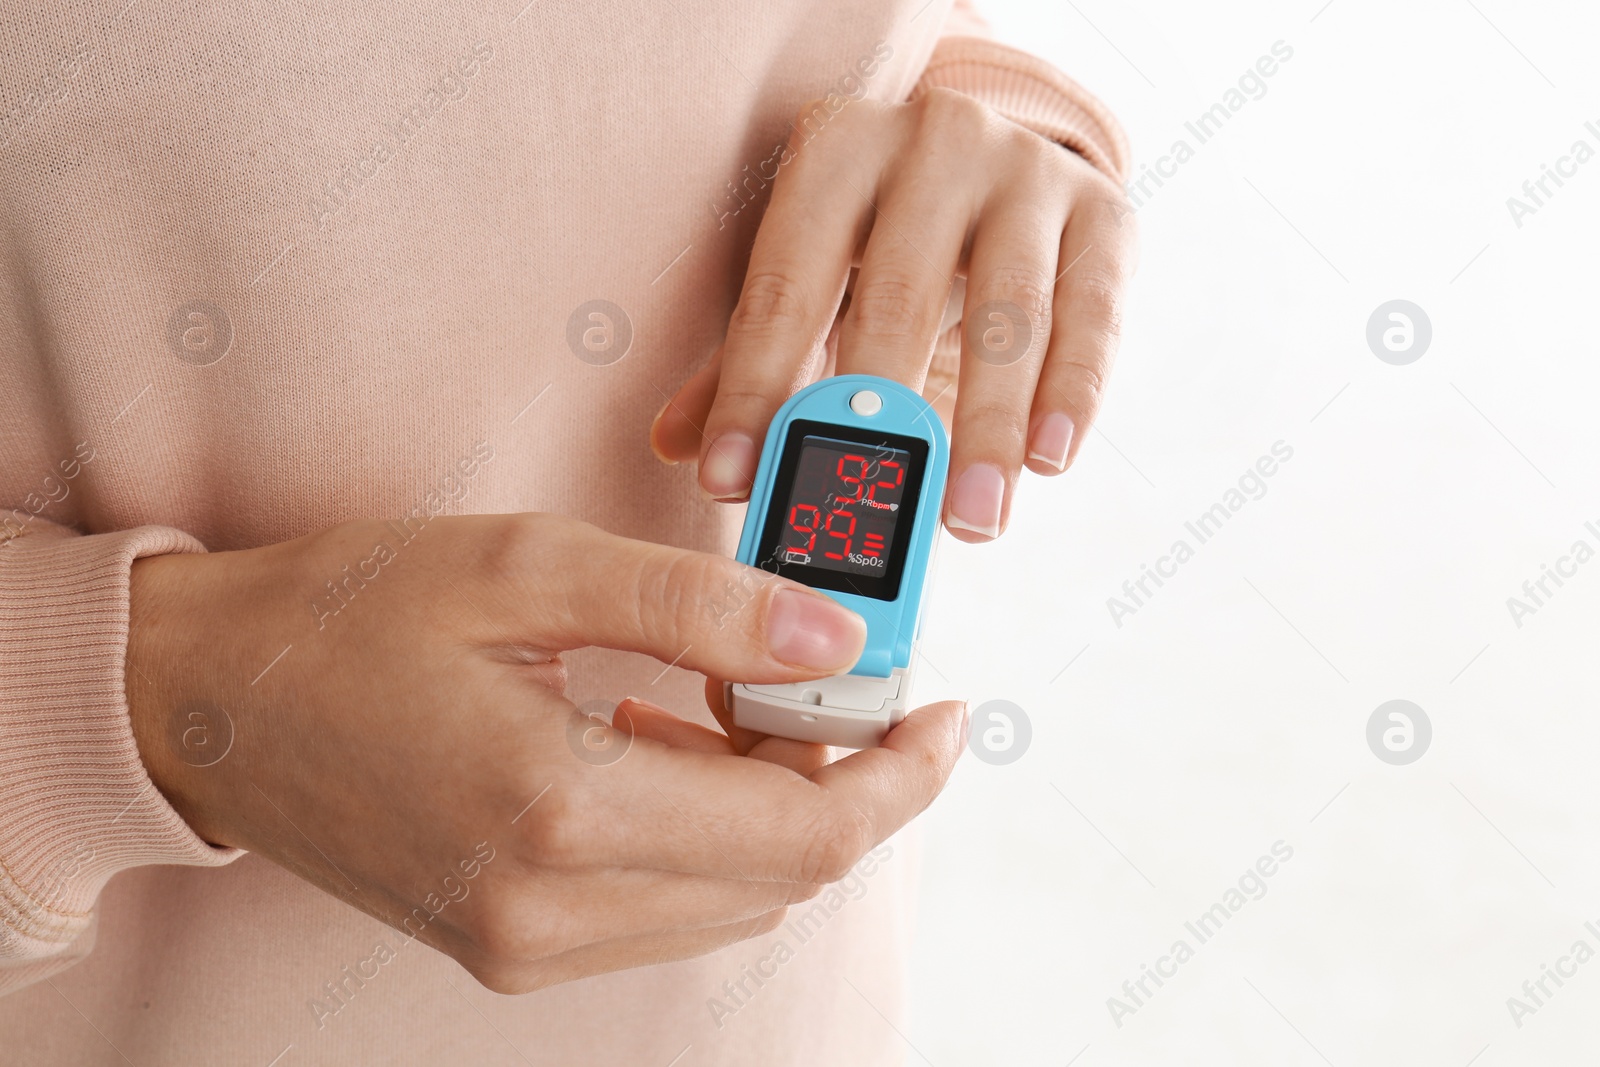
(1031, 93)
(76, 805)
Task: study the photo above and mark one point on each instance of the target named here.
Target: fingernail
(662, 456)
(975, 500)
(639, 702)
(1052, 440)
(729, 466)
(655, 424)
(814, 631)
(966, 723)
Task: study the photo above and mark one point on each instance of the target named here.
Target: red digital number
(851, 480)
(845, 535)
(899, 476)
(811, 531)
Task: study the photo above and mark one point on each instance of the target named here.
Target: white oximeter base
(848, 710)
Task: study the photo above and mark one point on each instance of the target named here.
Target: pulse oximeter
(846, 500)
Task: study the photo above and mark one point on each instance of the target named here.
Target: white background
(1229, 711)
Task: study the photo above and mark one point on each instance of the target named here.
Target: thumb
(705, 612)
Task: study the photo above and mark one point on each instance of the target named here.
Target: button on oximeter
(866, 402)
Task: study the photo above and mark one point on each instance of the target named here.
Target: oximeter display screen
(842, 507)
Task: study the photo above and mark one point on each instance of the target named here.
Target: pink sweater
(267, 268)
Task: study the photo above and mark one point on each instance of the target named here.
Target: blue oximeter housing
(846, 499)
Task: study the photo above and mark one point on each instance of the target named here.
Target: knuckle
(498, 977)
(772, 301)
(946, 112)
(891, 305)
(836, 841)
(740, 596)
(1038, 155)
(502, 937)
(506, 547)
(553, 834)
(995, 416)
(1086, 383)
(672, 595)
(1096, 301)
(1029, 289)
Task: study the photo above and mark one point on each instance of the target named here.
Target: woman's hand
(916, 194)
(386, 721)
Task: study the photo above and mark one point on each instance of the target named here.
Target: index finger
(733, 817)
(798, 268)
